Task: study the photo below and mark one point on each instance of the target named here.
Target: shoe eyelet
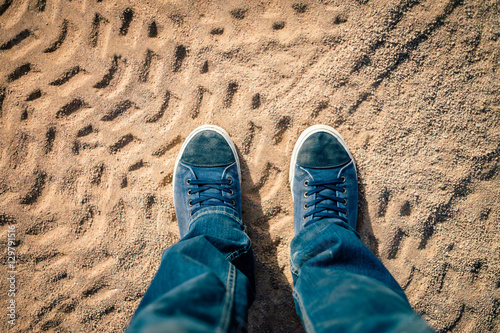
(343, 179)
(189, 192)
(306, 182)
(305, 206)
(304, 218)
(306, 195)
(191, 214)
(231, 192)
(190, 203)
(345, 202)
(344, 190)
(188, 181)
(230, 181)
(233, 202)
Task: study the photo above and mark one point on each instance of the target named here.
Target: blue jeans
(205, 282)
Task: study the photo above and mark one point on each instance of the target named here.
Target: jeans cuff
(227, 211)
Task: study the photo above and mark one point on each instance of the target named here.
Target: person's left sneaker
(206, 173)
(323, 178)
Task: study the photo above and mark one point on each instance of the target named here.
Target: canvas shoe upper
(206, 173)
(323, 178)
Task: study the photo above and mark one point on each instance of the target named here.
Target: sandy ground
(96, 98)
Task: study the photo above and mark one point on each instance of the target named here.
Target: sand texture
(96, 98)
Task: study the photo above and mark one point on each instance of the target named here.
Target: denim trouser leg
(340, 286)
(205, 281)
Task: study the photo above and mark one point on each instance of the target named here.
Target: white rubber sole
(197, 130)
(308, 132)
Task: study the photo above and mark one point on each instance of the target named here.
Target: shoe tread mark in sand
(110, 74)
(166, 147)
(19, 72)
(148, 207)
(383, 202)
(50, 136)
(84, 131)
(152, 30)
(60, 39)
(2, 99)
(118, 110)
(71, 107)
(122, 142)
(6, 219)
(3, 8)
(217, 31)
(66, 76)
(249, 137)
(164, 105)
(239, 13)
(319, 106)
(282, 125)
(126, 18)
(16, 40)
(96, 173)
(180, 53)
(31, 97)
(40, 5)
(35, 190)
(19, 148)
(248, 140)
(256, 101)
(47, 308)
(278, 25)
(25, 113)
(270, 172)
(231, 90)
(204, 67)
(136, 166)
(144, 73)
(40, 225)
(200, 93)
(94, 33)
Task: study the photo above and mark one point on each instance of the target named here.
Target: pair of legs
(205, 282)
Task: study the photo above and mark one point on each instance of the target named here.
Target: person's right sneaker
(323, 178)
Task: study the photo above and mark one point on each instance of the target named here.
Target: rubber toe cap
(208, 149)
(322, 150)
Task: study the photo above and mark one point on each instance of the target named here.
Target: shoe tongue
(210, 173)
(326, 174)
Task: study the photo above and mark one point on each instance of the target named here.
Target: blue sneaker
(323, 178)
(206, 173)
